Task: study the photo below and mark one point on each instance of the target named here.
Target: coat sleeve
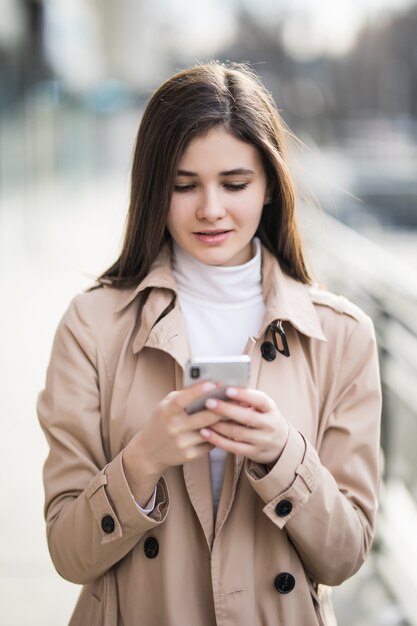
(92, 518)
(331, 493)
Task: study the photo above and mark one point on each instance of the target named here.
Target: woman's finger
(230, 445)
(233, 411)
(177, 401)
(189, 439)
(254, 397)
(237, 432)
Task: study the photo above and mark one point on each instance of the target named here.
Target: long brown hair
(187, 106)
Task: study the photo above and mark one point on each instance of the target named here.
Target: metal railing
(386, 289)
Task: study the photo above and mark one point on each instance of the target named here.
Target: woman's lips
(212, 237)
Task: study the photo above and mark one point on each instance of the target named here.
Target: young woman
(172, 519)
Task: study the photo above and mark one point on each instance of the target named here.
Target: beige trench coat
(281, 537)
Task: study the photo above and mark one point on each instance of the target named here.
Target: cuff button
(151, 547)
(107, 524)
(283, 508)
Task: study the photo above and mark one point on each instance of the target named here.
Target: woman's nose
(210, 207)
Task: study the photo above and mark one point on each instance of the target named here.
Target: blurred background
(74, 78)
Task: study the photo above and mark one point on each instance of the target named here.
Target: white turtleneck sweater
(222, 307)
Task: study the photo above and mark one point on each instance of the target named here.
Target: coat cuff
(114, 507)
(292, 479)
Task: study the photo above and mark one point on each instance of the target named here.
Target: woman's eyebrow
(238, 171)
(186, 173)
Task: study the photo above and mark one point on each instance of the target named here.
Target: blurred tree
(383, 65)
(22, 60)
(377, 78)
(301, 89)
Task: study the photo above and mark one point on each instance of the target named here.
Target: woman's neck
(218, 284)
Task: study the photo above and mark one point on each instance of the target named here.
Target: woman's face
(219, 193)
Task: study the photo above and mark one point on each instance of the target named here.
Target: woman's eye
(182, 188)
(235, 186)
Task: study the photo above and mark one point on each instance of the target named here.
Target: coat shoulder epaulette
(339, 304)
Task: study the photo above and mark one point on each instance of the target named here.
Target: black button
(268, 351)
(107, 524)
(283, 508)
(284, 582)
(151, 547)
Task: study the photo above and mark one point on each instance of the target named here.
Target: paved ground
(48, 238)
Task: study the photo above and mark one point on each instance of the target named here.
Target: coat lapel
(167, 333)
(197, 477)
(234, 463)
(286, 299)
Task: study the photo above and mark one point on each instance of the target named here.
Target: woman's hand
(170, 437)
(254, 426)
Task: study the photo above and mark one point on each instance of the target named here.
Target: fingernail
(208, 386)
(231, 392)
(211, 403)
(204, 432)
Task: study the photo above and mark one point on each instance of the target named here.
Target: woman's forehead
(221, 150)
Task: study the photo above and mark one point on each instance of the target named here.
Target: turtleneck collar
(218, 285)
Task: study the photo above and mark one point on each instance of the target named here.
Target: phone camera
(195, 372)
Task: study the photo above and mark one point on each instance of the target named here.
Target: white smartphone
(225, 371)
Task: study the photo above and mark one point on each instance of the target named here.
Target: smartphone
(225, 371)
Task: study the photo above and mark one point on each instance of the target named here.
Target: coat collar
(160, 275)
(286, 299)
